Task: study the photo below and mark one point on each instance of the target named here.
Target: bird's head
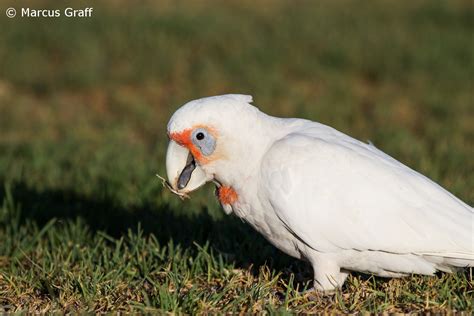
(209, 138)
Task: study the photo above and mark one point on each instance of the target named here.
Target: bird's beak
(184, 174)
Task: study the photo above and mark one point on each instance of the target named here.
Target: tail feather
(448, 262)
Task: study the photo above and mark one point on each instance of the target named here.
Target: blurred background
(84, 102)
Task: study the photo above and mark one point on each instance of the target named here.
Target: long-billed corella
(318, 194)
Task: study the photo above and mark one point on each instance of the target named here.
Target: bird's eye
(204, 141)
(200, 136)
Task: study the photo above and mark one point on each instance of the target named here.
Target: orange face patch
(184, 139)
(227, 195)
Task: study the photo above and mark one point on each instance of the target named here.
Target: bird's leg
(328, 276)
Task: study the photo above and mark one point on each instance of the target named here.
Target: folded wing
(334, 192)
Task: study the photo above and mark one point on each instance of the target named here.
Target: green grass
(86, 226)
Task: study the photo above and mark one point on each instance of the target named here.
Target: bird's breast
(248, 207)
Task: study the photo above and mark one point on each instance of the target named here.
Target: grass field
(86, 226)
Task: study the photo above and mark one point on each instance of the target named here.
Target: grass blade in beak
(167, 185)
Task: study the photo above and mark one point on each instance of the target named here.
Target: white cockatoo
(318, 194)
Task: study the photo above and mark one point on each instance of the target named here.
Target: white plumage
(318, 194)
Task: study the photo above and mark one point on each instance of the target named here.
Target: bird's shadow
(228, 236)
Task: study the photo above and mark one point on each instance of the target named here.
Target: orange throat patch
(227, 195)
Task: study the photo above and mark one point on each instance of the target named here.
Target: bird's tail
(449, 262)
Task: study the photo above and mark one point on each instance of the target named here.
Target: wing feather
(335, 192)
